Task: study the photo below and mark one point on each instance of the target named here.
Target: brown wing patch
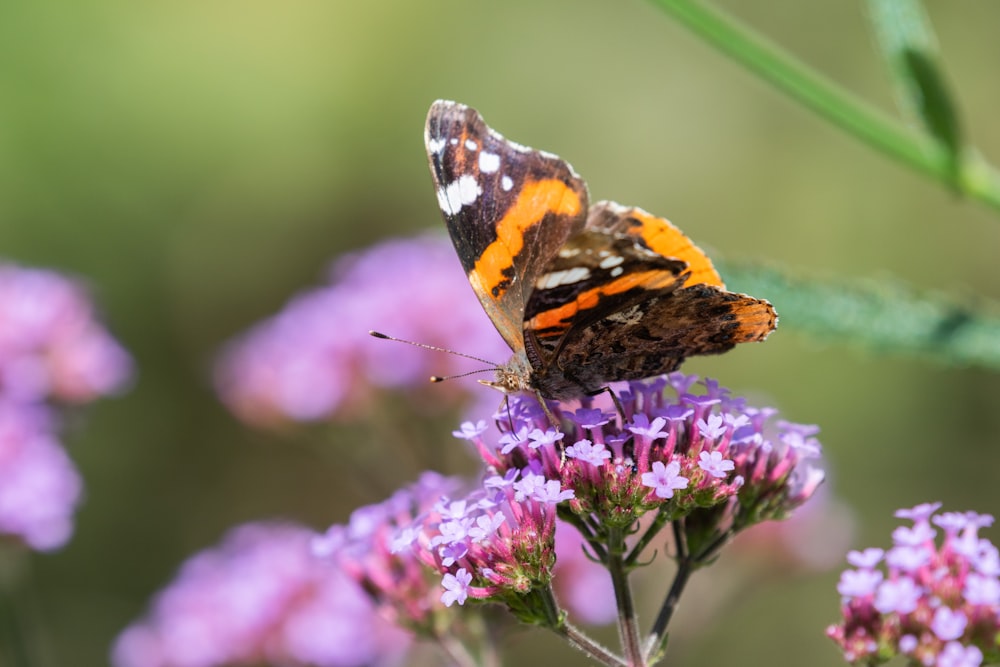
(657, 233)
(655, 336)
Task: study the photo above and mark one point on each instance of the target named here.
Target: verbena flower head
(315, 360)
(676, 451)
(934, 601)
(39, 486)
(704, 457)
(367, 549)
(52, 347)
(261, 597)
(497, 542)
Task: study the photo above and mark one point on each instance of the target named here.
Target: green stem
(975, 177)
(658, 632)
(481, 631)
(647, 537)
(572, 634)
(685, 567)
(592, 649)
(456, 651)
(16, 647)
(628, 622)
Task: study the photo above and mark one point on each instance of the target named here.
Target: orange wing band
(664, 238)
(551, 322)
(536, 200)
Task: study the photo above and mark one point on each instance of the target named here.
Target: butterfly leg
(614, 399)
(556, 424)
(505, 407)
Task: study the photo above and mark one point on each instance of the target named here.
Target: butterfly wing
(659, 235)
(508, 209)
(654, 337)
(649, 332)
(592, 277)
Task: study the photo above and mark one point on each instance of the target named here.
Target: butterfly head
(512, 377)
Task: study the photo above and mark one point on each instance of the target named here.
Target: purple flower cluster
(53, 351)
(315, 360)
(52, 347)
(261, 597)
(675, 451)
(39, 486)
(936, 605)
(403, 590)
(496, 542)
(693, 454)
(375, 549)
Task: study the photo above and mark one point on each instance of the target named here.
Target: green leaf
(882, 316)
(907, 43)
(975, 177)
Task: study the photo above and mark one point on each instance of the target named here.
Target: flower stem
(553, 614)
(574, 635)
(481, 630)
(654, 643)
(595, 651)
(456, 651)
(685, 567)
(974, 177)
(15, 648)
(654, 529)
(628, 622)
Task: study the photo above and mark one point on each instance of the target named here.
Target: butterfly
(584, 295)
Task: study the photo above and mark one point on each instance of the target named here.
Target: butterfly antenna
(442, 378)
(435, 348)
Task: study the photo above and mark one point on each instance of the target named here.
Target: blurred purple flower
(51, 345)
(930, 609)
(813, 538)
(52, 351)
(315, 359)
(582, 585)
(39, 486)
(261, 597)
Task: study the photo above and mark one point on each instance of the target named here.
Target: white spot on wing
(611, 261)
(471, 145)
(442, 195)
(459, 193)
(506, 183)
(630, 315)
(567, 277)
(453, 141)
(617, 271)
(488, 162)
(435, 145)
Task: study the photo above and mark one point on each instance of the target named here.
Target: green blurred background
(200, 161)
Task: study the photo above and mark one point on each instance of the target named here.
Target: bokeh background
(199, 162)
